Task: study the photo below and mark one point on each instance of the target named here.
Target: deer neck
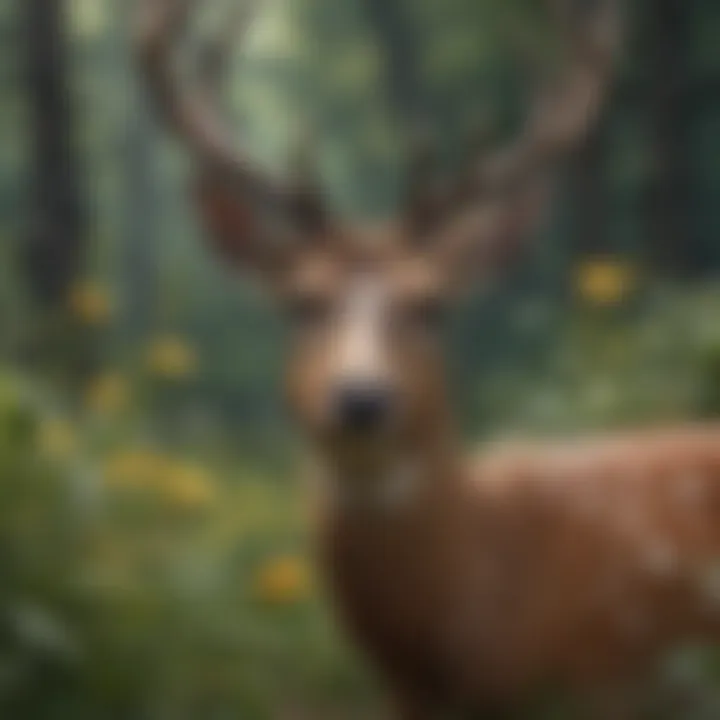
(392, 480)
(387, 534)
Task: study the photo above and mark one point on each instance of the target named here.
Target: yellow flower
(90, 303)
(107, 394)
(189, 486)
(604, 282)
(57, 438)
(172, 358)
(135, 468)
(283, 581)
(182, 485)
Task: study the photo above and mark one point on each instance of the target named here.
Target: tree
(141, 198)
(588, 198)
(56, 235)
(670, 235)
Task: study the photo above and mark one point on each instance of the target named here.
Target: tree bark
(671, 238)
(141, 197)
(392, 26)
(55, 242)
(588, 198)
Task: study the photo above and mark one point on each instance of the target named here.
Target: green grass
(152, 593)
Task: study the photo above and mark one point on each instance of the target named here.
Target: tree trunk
(672, 245)
(588, 199)
(141, 201)
(393, 27)
(54, 248)
(55, 241)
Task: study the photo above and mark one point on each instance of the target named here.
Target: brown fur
(533, 567)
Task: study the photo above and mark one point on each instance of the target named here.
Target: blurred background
(153, 559)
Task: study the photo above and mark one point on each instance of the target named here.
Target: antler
(565, 112)
(192, 113)
(502, 193)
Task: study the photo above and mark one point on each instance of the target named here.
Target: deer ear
(231, 225)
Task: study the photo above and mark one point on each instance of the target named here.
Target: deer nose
(363, 406)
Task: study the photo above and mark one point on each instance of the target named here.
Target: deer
(471, 581)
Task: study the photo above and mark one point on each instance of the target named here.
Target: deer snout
(362, 406)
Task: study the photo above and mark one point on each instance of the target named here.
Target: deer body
(575, 569)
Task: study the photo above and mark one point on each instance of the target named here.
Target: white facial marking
(361, 350)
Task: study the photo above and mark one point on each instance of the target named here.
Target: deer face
(365, 326)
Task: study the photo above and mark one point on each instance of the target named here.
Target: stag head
(366, 302)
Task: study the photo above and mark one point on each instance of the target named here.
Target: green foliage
(655, 363)
(132, 581)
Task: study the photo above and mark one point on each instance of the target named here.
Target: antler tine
(504, 195)
(562, 115)
(188, 110)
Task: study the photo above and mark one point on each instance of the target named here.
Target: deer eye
(426, 311)
(310, 310)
